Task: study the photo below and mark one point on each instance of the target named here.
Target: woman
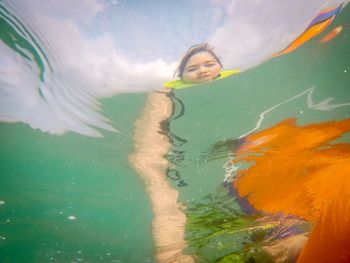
(199, 64)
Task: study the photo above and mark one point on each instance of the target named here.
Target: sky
(100, 48)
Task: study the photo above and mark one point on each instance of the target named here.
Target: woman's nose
(202, 70)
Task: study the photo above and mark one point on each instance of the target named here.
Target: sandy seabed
(150, 147)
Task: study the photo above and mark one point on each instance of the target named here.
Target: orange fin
(330, 239)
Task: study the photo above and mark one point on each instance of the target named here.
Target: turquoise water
(74, 198)
(229, 108)
(292, 86)
(47, 181)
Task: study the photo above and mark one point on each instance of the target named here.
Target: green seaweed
(218, 231)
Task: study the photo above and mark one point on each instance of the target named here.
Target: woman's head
(199, 64)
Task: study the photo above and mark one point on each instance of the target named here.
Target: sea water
(73, 198)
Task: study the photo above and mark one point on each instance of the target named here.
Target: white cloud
(79, 11)
(88, 65)
(256, 29)
(85, 67)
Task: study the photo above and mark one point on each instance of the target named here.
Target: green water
(228, 108)
(73, 198)
(47, 179)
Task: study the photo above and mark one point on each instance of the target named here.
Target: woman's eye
(190, 69)
(210, 64)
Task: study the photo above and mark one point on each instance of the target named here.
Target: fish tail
(330, 239)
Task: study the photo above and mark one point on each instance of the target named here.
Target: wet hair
(204, 47)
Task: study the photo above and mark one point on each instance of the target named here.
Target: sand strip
(150, 146)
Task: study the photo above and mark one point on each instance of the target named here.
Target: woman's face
(201, 67)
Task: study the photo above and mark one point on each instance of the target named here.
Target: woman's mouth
(205, 76)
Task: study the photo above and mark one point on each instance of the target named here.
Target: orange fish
(296, 170)
(332, 34)
(330, 239)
